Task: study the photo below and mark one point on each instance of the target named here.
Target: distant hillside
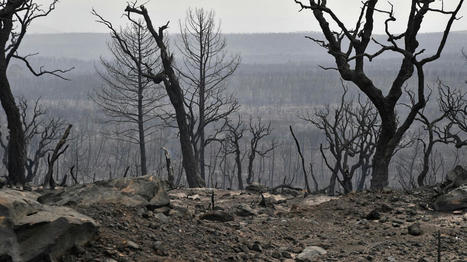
(271, 48)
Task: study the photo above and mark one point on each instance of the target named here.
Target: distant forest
(278, 80)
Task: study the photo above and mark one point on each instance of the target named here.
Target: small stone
(415, 230)
(385, 208)
(132, 244)
(161, 217)
(245, 211)
(310, 253)
(219, 216)
(373, 215)
(256, 247)
(276, 254)
(286, 254)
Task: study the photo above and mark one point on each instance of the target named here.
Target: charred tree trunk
(175, 93)
(16, 143)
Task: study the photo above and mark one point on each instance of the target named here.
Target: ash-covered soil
(244, 226)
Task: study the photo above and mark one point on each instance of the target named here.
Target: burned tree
(453, 103)
(40, 131)
(350, 130)
(16, 16)
(129, 98)
(350, 62)
(257, 131)
(168, 76)
(205, 69)
(52, 157)
(234, 133)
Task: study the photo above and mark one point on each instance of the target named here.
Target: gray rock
(161, 217)
(32, 231)
(415, 230)
(256, 188)
(453, 200)
(457, 177)
(219, 216)
(140, 191)
(132, 245)
(311, 254)
(373, 215)
(244, 211)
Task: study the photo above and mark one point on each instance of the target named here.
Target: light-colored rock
(140, 191)
(310, 254)
(32, 231)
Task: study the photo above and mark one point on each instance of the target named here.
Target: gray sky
(238, 16)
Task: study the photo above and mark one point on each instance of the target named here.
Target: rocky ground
(244, 226)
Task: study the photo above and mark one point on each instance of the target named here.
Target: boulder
(140, 191)
(453, 200)
(456, 177)
(32, 231)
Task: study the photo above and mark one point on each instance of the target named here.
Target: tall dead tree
(205, 70)
(16, 16)
(350, 62)
(172, 86)
(129, 98)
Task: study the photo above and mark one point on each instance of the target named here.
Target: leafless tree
(453, 103)
(434, 133)
(234, 133)
(40, 131)
(350, 130)
(168, 76)
(60, 149)
(129, 98)
(16, 16)
(257, 132)
(205, 70)
(350, 62)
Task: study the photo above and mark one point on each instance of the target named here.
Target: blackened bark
(175, 93)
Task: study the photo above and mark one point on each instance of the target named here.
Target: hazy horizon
(241, 16)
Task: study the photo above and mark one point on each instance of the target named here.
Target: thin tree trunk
(238, 160)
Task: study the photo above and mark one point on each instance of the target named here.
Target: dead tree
(59, 150)
(170, 170)
(40, 134)
(434, 134)
(171, 82)
(350, 130)
(257, 131)
(16, 16)
(453, 103)
(205, 70)
(305, 175)
(350, 63)
(129, 98)
(234, 133)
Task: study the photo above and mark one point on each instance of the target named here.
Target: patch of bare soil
(247, 227)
